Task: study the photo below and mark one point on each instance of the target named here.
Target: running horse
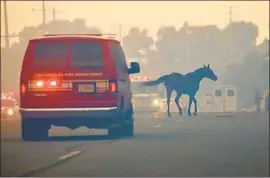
(183, 84)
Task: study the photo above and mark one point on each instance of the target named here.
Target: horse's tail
(156, 82)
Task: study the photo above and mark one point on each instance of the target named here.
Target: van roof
(73, 37)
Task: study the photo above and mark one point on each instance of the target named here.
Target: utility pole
(230, 13)
(230, 35)
(6, 25)
(43, 12)
(54, 11)
(187, 47)
(54, 14)
(120, 33)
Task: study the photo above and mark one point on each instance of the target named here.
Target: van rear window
(218, 93)
(87, 55)
(52, 55)
(230, 92)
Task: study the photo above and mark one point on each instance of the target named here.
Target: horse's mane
(195, 71)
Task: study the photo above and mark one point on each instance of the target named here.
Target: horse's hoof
(181, 113)
(169, 115)
(195, 114)
(189, 114)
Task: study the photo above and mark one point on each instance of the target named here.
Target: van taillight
(113, 86)
(23, 88)
(51, 83)
(40, 84)
(54, 83)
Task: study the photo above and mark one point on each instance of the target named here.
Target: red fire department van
(73, 81)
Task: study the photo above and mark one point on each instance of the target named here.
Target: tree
(250, 75)
(243, 37)
(167, 44)
(137, 43)
(264, 47)
(29, 32)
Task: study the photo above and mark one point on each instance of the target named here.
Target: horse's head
(209, 73)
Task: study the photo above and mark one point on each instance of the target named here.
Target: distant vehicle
(173, 107)
(144, 98)
(76, 80)
(9, 108)
(208, 104)
(8, 95)
(224, 99)
(265, 101)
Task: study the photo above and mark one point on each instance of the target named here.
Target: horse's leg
(195, 103)
(189, 104)
(169, 94)
(178, 96)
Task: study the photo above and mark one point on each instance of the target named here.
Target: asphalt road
(214, 144)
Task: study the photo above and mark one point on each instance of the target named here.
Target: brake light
(23, 89)
(112, 86)
(40, 83)
(53, 83)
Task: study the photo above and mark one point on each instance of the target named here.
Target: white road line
(178, 120)
(69, 155)
(156, 126)
(224, 115)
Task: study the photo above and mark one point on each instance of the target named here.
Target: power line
(7, 37)
(54, 11)
(10, 36)
(44, 10)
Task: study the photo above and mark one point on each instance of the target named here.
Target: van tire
(116, 132)
(128, 129)
(34, 130)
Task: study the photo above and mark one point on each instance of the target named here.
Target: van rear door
(67, 73)
(231, 99)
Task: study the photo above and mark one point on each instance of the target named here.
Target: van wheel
(115, 133)
(129, 129)
(34, 130)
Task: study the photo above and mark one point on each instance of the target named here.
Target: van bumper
(102, 117)
(55, 113)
